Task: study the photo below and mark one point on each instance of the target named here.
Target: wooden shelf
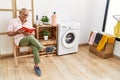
(48, 42)
(45, 26)
(52, 40)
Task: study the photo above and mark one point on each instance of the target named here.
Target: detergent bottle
(54, 19)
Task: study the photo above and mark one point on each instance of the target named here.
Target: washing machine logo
(70, 38)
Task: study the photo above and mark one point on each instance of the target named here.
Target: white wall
(97, 16)
(89, 13)
(5, 16)
(81, 11)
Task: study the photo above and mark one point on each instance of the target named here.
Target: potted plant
(45, 20)
(45, 34)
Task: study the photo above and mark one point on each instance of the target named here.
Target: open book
(27, 29)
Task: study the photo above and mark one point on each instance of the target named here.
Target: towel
(102, 42)
(117, 29)
(98, 38)
(92, 38)
(105, 39)
(111, 40)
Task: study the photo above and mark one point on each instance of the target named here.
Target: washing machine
(68, 37)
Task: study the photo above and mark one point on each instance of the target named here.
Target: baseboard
(6, 55)
(84, 44)
(118, 57)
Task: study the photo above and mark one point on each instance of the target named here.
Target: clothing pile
(100, 40)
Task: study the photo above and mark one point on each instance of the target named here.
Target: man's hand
(11, 33)
(26, 33)
(20, 31)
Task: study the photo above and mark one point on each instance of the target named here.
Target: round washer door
(69, 39)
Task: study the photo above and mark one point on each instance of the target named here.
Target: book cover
(27, 29)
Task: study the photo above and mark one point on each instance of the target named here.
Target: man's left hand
(27, 33)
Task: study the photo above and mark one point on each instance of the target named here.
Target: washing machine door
(69, 39)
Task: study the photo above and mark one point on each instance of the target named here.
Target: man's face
(24, 15)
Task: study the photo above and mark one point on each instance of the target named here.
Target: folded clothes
(50, 49)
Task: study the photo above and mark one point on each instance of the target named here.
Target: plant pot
(45, 23)
(45, 37)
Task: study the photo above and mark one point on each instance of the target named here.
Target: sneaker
(37, 70)
(50, 49)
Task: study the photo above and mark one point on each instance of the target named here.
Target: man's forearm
(12, 33)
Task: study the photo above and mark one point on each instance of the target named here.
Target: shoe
(50, 49)
(37, 70)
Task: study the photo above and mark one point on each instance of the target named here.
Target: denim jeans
(35, 45)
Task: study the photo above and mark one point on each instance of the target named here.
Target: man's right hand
(11, 33)
(20, 31)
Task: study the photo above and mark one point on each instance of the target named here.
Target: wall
(67, 10)
(98, 14)
(89, 13)
(5, 16)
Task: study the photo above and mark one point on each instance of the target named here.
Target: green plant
(46, 32)
(45, 19)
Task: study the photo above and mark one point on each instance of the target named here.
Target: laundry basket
(106, 52)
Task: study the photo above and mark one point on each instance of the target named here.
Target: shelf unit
(52, 39)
